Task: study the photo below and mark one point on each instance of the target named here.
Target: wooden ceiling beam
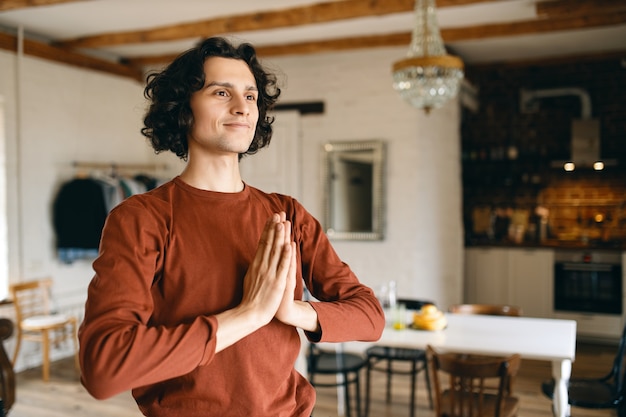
(301, 48)
(400, 39)
(560, 60)
(296, 16)
(559, 8)
(22, 4)
(529, 27)
(51, 53)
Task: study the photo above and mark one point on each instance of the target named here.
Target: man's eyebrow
(226, 84)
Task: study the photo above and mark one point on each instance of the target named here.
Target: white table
(542, 339)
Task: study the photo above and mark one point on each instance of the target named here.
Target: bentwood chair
(7, 374)
(477, 384)
(388, 359)
(345, 369)
(606, 392)
(486, 309)
(37, 322)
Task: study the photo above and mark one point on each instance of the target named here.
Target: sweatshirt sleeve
(120, 349)
(347, 310)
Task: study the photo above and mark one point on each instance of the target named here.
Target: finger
(277, 247)
(293, 266)
(288, 231)
(284, 264)
(290, 286)
(274, 218)
(268, 230)
(266, 240)
(283, 218)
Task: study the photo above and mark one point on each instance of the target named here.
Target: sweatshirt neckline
(241, 195)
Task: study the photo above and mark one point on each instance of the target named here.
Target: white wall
(56, 114)
(423, 245)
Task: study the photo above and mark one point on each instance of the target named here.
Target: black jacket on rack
(79, 212)
(80, 209)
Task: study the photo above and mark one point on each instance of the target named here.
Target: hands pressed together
(271, 279)
(268, 289)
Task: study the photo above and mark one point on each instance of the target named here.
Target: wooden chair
(348, 365)
(7, 374)
(38, 323)
(486, 309)
(384, 358)
(468, 394)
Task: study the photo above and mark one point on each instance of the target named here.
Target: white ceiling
(92, 17)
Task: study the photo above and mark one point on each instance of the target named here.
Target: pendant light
(428, 76)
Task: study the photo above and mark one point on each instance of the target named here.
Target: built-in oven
(588, 282)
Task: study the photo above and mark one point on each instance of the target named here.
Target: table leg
(561, 371)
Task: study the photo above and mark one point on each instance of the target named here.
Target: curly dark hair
(169, 117)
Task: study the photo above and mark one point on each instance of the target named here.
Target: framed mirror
(352, 175)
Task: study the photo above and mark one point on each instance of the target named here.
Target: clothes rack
(84, 200)
(114, 166)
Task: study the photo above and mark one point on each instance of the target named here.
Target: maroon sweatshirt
(171, 259)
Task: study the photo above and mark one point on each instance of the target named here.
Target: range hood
(585, 142)
(585, 145)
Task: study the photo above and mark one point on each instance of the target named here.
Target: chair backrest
(486, 309)
(314, 354)
(467, 393)
(31, 298)
(413, 304)
(618, 370)
(7, 374)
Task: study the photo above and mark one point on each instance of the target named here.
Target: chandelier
(428, 76)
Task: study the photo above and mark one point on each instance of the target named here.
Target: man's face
(225, 110)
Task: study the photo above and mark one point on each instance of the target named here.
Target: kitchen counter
(617, 246)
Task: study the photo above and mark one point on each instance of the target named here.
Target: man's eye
(251, 97)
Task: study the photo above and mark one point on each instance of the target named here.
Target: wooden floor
(63, 396)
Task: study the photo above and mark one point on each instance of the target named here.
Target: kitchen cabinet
(530, 273)
(486, 280)
(521, 277)
(595, 325)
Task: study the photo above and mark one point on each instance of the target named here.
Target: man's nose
(240, 105)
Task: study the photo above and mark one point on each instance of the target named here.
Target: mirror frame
(378, 158)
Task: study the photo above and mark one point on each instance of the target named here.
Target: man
(197, 293)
